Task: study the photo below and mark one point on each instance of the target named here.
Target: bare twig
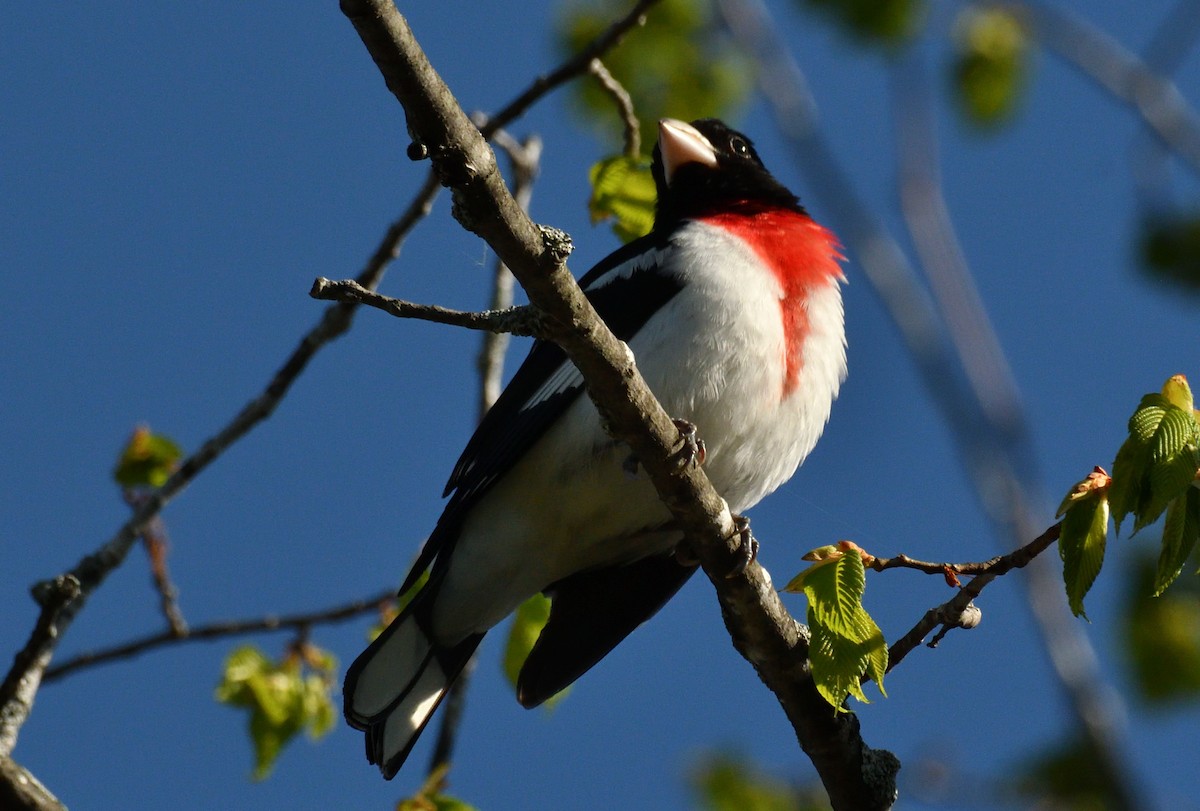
(995, 452)
(514, 320)
(573, 67)
(761, 628)
(620, 97)
(525, 158)
(154, 538)
(92, 570)
(997, 566)
(220, 630)
(21, 682)
(951, 610)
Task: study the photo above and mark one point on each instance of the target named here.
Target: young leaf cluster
(283, 698)
(678, 65)
(846, 643)
(147, 460)
(1155, 472)
(530, 618)
(991, 64)
(623, 190)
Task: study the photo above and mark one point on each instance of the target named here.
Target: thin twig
(157, 544)
(949, 611)
(573, 67)
(92, 570)
(620, 97)
(515, 320)
(220, 630)
(525, 158)
(997, 566)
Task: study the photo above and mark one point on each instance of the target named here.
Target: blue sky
(172, 183)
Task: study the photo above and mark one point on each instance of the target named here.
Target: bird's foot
(693, 451)
(747, 546)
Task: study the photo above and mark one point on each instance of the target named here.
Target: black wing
(626, 288)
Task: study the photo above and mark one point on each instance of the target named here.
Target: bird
(732, 308)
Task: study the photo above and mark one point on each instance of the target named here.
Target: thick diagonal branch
(761, 627)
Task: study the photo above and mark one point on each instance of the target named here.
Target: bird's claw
(747, 546)
(693, 451)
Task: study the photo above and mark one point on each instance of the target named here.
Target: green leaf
(430, 797)
(1178, 393)
(1159, 460)
(991, 65)
(680, 64)
(1170, 248)
(846, 643)
(147, 460)
(887, 22)
(1180, 533)
(623, 189)
(282, 698)
(727, 782)
(1062, 776)
(1162, 636)
(527, 625)
(1128, 479)
(1081, 545)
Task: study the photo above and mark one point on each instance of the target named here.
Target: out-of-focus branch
(624, 102)
(525, 160)
(220, 630)
(1163, 53)
(855, 776)
(991, 440)
(1117, 70)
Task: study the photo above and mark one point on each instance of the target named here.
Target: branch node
(53, 595)
(417, 151)
(557, 242)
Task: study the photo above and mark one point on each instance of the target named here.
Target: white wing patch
(565, 378)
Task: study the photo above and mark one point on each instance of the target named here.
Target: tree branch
(21, 682)
(513, 320)
(624, 103)
(948, 613)
(573, 67)
(761, 627)
(219, 630)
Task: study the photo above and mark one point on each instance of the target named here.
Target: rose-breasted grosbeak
(732, 308)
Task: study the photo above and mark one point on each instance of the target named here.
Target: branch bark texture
(762, 630)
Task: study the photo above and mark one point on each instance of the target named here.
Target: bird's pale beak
(681, 143)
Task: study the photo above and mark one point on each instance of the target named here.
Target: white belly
(714, 356)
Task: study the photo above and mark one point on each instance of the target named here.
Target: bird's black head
(706, 167)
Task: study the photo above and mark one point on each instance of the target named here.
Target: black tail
(394, 686)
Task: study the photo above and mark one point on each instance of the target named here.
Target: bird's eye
(739, 147)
